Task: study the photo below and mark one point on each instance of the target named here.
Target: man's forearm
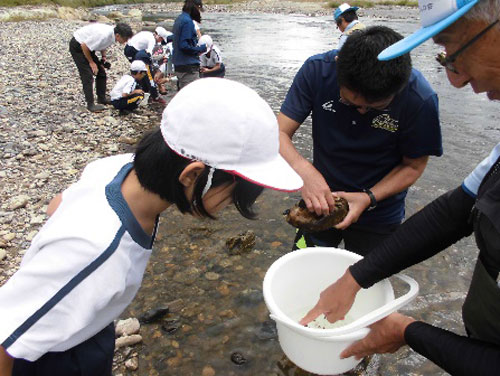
(399, 178)
(6, 363)
(287, 150)
(438, 225)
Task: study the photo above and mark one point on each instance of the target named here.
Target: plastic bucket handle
(363, 332)
(360, 323)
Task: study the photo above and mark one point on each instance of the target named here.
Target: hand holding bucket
(291, 287)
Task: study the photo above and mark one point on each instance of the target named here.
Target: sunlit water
(227, 315)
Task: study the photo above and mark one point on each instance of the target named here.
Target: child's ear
(190, 173)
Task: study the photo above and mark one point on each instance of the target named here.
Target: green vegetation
(371, 4)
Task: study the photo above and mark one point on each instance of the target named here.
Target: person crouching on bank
(126, 95)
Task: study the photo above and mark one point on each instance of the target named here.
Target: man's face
(351, 98)
(342, 24)
(479, 64)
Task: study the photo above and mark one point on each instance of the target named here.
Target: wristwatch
(373, 200)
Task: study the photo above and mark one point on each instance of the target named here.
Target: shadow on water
(220, 319)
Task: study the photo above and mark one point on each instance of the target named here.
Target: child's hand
(94, 68)
(138, 91)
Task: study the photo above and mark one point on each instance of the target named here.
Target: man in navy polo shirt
(374, 125)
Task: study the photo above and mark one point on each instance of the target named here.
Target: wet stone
(249, 297)
(211, 276)
(267, 330)
(242, 243)
(238, 358)
(153, 315)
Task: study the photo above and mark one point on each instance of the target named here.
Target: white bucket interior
(296, 282)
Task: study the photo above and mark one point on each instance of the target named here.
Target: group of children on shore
(151, 65)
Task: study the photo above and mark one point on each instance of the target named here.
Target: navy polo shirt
(354, 151)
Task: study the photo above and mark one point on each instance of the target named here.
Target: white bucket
(291, 288)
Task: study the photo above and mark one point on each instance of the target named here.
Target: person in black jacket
(472, 56)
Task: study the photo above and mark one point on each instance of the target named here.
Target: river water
(219, 318)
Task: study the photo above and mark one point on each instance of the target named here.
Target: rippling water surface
(221, 320)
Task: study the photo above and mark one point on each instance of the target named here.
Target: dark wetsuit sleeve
(440, 224)
(455, 354)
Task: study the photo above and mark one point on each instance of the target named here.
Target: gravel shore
(46, 134)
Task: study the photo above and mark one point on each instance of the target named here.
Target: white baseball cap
(435, 16)
(138, 66)
(206, 40)
(162, 32)
(228, 126)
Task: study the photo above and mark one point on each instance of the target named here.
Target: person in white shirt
(217, 144)
(127, 94)
(83, 46)
(211, 64)
(140, 47)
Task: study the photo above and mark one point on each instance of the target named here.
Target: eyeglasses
(448, 61)
(383, 107)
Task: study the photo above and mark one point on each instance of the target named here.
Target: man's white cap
(228, 126)
(206, 40)
(435, 16)
(162, 32)
(138, 66)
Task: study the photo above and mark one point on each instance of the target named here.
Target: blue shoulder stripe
(65, 290)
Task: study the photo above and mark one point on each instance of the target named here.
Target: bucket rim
(277, 312)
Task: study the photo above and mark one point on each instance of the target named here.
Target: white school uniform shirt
(96, 36)
(143, 40)
(214, 59)
(126, 84)
(82, 269)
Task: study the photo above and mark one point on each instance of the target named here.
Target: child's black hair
(158, 169)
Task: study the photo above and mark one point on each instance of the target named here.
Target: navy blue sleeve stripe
(65, 290)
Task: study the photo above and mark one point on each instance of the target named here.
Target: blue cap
(342, 9)
(435, 15)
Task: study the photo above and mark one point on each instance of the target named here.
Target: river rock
(128, 340)
(208, 371)
(127, 327)
(211, 276)
(242, 243)
(132, 364)
(18, 202)
(3, 253)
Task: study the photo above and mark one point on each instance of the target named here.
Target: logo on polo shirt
(385, 122)
(328, 106)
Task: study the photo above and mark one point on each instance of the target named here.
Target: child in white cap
(211, 64)
(127, 93)
(218, 144)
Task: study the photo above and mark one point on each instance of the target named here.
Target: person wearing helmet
(218, 144)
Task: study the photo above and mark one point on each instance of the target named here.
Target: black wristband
(373, 200)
